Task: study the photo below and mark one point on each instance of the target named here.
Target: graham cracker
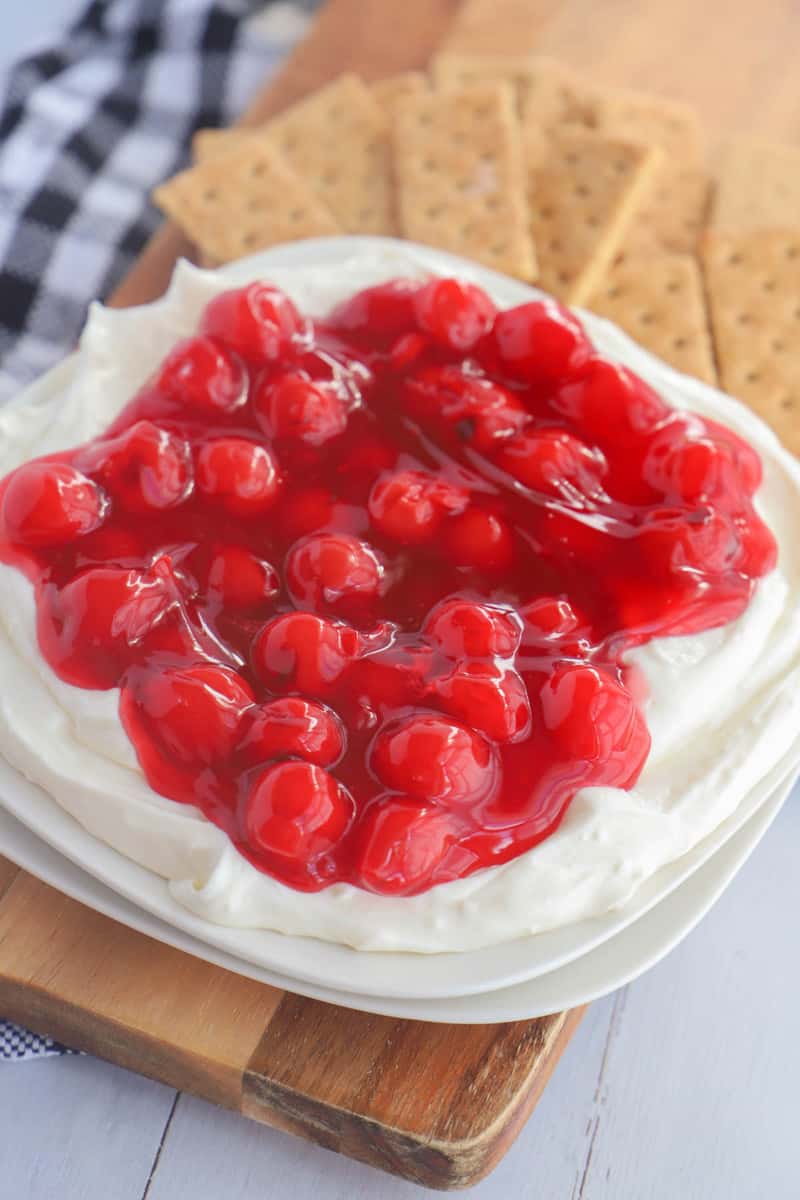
(206, 143)
(460, 176)
(242, 201)
(753, 285)
(672, 214)
(556, 96)
(583, 191)
(658, 299)
(453, 71)
(337, 140)
(758, 187)
(652, 120)
(396, 87)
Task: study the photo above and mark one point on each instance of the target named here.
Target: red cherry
(553, 623)
(201, 373)
(455, 314)
(241, 579)
(291, 726)
(409, 506)
(291, 406)
(745, 459)
(611, 405)
(146, 469)
(297, 811)
(479, 539)
(470, 409)
(759, 550)
(239, 473)
(388, 679)
(554, 462)
(401, 843)
(104, 617)
(593, 719)
(258, 322)
(50, 504)
(303, 652)
(681, 465)
(409, 349)
(333, 570)
(386, 310)
(471, 629)
(194, 713)
(540, 342)
(434, 759)
(487, 697)
(675, 540)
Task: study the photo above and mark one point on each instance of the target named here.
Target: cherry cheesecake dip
(391, 603)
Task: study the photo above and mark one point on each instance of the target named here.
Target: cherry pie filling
(367, 584)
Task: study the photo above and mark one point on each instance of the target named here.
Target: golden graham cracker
(583, 191)
(653, 120)
(337, 140)
(452, 71)
(672, 214)
(558, 96)
(206, 143)
(396, 87)
(658, 299)
(758, 187)
(753, 286)
(242, 201)
(460, 178)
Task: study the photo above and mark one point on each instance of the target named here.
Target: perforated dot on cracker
(758, 187)
(242, 201)
(453, 71)
(397, 87)
(583, 191)
(338, 141)
(658, 299)
(459, 171)
(672, 212)
(559, 96)
(753, 283)
(653, 120)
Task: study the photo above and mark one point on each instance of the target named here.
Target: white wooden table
(683, 1086)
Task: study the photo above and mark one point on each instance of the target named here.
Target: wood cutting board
(435, 1104)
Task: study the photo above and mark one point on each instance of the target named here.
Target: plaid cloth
(87, 128)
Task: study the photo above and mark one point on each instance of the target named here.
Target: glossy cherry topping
(367, 584)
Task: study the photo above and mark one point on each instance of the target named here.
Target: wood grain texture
(8, 873)
(351, 35)
(104, 988)
(437, 1104)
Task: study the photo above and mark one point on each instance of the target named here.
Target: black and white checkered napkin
(87, 128)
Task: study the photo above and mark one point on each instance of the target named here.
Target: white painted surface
(682, 1087)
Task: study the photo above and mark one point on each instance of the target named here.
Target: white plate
(621, 959)
(328, 965)
(315, 964)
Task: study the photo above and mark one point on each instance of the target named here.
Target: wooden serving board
(436, 1104)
